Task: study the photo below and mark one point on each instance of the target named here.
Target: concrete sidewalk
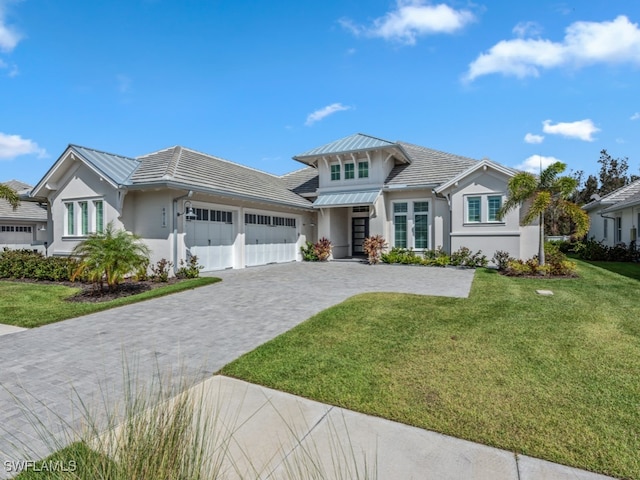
(275, 433)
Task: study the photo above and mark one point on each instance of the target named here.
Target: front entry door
(359, 231)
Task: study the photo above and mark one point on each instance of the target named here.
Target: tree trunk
(541, 249)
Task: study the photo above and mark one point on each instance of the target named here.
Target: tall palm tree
(542, 192)
(9, 194)
(109, 256)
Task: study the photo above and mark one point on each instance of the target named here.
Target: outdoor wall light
(189, 214)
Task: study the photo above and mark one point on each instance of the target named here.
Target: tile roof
(302, 181)
(115, 167)
(628, 202)
(352, 143)
(619, 195)
(427, 167)
(24, 211)
(191, 168)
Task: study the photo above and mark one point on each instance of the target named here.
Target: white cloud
(535, 162)
(585, 43)
(635, 116)
(527, 29)
(9, 37)
(411, 19)
(325, 112)
(531, 138)
(581, 129)
(12, 146)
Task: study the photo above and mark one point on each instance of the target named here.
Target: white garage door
(269, 239)
(15, 234)
(210, 237)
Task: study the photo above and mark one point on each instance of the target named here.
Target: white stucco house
(615, 217)
(26, 225)
(183, 202)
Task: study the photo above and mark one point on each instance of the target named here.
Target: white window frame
(366, 163)
(484, 208)
(411, 221)
(353, 171)
(338, 171)
(91, 224)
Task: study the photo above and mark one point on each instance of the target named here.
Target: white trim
(411, 216)
(480, 165)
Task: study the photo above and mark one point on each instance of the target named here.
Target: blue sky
(257, 82)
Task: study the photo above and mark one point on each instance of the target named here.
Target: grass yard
(33, 304)
(550, 377)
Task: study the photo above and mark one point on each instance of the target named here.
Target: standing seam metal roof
(116, 167)
(351, 143)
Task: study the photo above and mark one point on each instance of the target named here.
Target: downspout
(613, 219)
(175, 229)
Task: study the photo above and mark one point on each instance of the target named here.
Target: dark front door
(359, 231)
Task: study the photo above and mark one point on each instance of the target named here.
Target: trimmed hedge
(35, 266)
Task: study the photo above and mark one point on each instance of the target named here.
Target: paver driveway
(197, 331)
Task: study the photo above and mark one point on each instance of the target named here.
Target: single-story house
(615, 217)
(183, 202)
(26, 225)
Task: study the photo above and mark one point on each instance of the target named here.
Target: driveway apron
(193, 333)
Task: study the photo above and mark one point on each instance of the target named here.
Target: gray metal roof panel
(116, 167)
(342, 199)
(352, 143)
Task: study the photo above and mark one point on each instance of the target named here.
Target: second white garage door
(269, 239)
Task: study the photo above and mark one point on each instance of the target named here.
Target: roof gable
(484, 165)
(116, 169)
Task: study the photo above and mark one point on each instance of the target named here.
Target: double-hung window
(71, 219)
(349, 171)
(99, 216)
(363, 169)
(473, 209)
(618, 229)
(400, 223)
(335, 171)
(421, 224)
(84, 218)
(494, 204)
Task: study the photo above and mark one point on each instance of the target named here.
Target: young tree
(541, 193)
(10, 195)
(109, 256)
(613, 173)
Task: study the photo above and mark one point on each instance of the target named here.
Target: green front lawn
(35, 304)
(552, 377)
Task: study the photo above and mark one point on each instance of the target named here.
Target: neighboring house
(615, 217)
(26, 225)
(182, 202)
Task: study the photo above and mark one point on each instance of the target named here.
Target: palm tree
(9, 194)
(542, 192)
(109, 256)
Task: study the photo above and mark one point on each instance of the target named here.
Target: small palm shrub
(373, 247)
(109, 256)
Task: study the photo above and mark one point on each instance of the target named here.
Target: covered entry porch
(345, 218)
